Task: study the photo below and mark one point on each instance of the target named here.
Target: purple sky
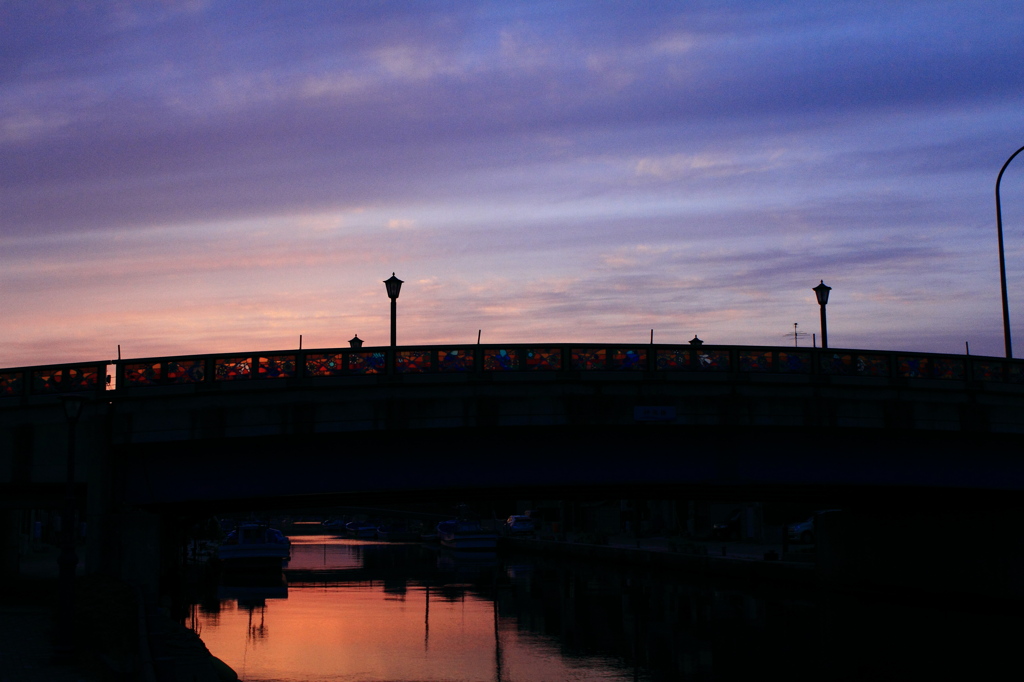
(203, 176)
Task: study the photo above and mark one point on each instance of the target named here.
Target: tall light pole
(821, 291)
(67, 561)
(1002, 261)
(393, 285)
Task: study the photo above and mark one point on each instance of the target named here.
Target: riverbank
(745, 562)
(752, 564)
(114, 638)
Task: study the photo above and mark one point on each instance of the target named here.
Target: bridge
(651, 415)
(189, 434)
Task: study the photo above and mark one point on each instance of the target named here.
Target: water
(368, 611)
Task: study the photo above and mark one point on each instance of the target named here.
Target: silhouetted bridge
(259, 425)
(181, 437)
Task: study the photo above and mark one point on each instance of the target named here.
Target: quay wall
(685, 558)
(854, 555)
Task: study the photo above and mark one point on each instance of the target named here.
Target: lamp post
(67, 561)
(1002, 261)
(393, 285)
(821, 291)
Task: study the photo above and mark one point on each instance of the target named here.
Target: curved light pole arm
(1002, 260)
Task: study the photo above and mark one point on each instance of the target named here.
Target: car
(804, 531)
(518, 524)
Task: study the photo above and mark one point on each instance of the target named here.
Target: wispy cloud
(208, 175)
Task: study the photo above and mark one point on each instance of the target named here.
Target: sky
(208, 176)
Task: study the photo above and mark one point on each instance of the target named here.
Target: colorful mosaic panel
(948, 368)
(47, 380)
(673, 358)
(412, 361)
(873, 365)
(324, 364)
(189, 371)
(1015, 373)
(81, 378)
(627, 359)
(65, 379)
(913, 367)
(987, 370)
(544, 358)
(588, 358)
(367, 363)
(837, 363)
(11, 383)
(276, 367)
(793, 362)
(84, 379)
(143, 373)
(455, 360)
(231, 369)
(713, 360)
(848, 364)
(500, 359)
(755, 360)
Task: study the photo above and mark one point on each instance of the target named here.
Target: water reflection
(362, 610)
(359, 610)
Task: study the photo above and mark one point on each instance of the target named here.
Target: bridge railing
(53, 379)
(270, 367)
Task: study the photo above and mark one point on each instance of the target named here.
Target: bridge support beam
(10, 543)
(135, 540)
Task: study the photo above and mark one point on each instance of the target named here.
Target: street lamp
(1002, 261)
(821, 291)
(394, 285)
(67, 561)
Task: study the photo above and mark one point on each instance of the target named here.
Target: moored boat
(254, 545)
(466, 535)
(397, 532)
(361, 529)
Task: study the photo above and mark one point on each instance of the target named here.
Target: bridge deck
(273, 368)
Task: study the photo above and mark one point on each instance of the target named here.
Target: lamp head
(394, 285)
(73, 405)
(821, 291)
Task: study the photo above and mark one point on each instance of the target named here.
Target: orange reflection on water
(357, 633)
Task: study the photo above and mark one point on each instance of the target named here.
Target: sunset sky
(214, 176)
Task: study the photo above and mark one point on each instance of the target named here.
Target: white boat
(463, 535)
(519, 524)
(361, 529)
(255, 545)
(397, 532)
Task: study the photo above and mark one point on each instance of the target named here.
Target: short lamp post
(821, 291)
(394, 286)
(67, 561)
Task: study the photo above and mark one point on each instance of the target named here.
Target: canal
(365, 610)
